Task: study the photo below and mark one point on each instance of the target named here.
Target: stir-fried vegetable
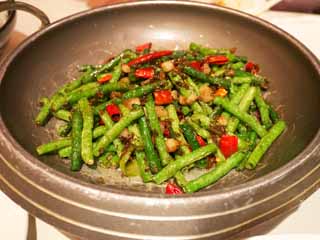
(160, 114)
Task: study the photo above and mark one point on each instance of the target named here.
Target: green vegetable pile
(160, 114)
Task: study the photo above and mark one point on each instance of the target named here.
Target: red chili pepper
(173, 189)
(252, 67)
(105, 78)
(196, 65)
(218, 60)
(144, 73)
(113, 111)
(144, 46)
(166, 132)
(150, 56)
(163, 97)
(228, 145)
(201, 141)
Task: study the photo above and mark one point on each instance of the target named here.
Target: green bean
(125, 157)
(140, 91)
(180, 179)
(263, 109)
(185, 110)
(207, 51)
(63, 115)
(109, 66)
(155, 128)
(151, 155)
(116, 74)
(65, 152)
(273, 114)
(44, 112)
(204, 78)
(264, 144)
(99, 131)
(214, 175)
(53, 146)
(243, 116)
(243, 106)
(190, 136)
(115, 131)
(140, 157)
(173, 167)
(77, 125)
(64, 130)
(196, 107)
(203, 119)
(106, 119)
(86, 138)
(135, 132)
(85, 87)
(132, 168)
(200, 131)
(124, 110)
(206, 108)
(176, 129)
(103, 88)
(192, 85)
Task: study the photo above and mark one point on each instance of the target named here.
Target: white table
(14, 220)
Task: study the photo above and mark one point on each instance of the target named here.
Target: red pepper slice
(163, 97)
(144, 73)
(144, 46)
(150, 56)
(218, 60)
(228, 145)
(105, 78)
(114, 112)
(201, 141)
(166, 133)
(196, 65)
(173, 189)
(252, 67)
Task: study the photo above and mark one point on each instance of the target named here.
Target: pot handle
(6, 6)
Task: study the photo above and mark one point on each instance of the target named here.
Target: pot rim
(271, 177)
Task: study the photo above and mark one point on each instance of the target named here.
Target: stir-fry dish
(161, 114)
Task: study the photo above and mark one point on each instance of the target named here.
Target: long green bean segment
(86, 136)
(264, 144)
(77, 124)
(165, 116)
(115, 131)
(184, 161)
(215, 174)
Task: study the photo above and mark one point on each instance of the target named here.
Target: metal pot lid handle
(5, 6)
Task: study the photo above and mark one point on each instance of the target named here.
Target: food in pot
(177, 110)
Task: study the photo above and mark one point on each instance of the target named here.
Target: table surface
(305, 27)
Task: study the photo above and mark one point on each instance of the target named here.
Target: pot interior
(50, 60)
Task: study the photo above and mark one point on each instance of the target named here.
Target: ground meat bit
(161, 112)
(230, 73)
(211, 161)
(172, 145)
(217, 129)
(129, 103)
(206, 93)
(115, 94)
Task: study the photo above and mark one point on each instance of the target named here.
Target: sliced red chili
(143, 47)
(196, 65)
(252, 67)
(114, 112)
(228, 145)
(163, 97)
(201, 141)
(173, 189)
(166, 133)
(218, 60)
(144, 73)
(105, 78)
(150, 56)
